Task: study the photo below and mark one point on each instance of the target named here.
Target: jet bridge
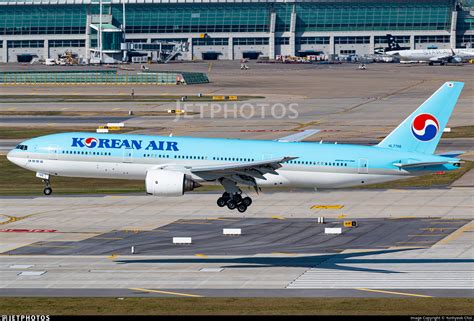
(159, 51)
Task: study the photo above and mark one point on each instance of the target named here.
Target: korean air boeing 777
(171, 166)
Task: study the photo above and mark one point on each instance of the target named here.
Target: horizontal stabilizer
(453, 153)
(423, 164)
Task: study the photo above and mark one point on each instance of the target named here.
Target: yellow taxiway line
(278, 217)
(12, 219)
(392, 292)
(201, 255)
(326, 207)
(456, 233)
(166, 292)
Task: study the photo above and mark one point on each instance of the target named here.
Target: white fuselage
(433, 55)
(289, 176)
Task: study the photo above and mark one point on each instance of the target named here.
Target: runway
(414, 243)
(258, 236)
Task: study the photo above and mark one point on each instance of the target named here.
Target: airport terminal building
(228, 29)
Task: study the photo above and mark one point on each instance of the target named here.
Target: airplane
(171, 166)
(392, 46)
(432, 56)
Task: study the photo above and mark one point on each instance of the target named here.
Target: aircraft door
(53, 152)
(363, 166)
(127, 156)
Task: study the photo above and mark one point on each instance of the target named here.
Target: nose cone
(14, 157)
(10, 156)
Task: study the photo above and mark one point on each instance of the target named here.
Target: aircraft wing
(440, 58)
(244, 173)
(298, 136)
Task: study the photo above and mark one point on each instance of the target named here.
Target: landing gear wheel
(47, 191)
(247, 201)
(221, 202)
(241, 207)
(231, 205)
(237, 198)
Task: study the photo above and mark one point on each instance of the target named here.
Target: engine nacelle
(160, 182)
(456, 59)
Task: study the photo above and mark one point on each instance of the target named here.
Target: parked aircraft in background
(431, 56)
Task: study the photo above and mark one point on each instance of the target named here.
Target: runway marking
(117, 108)
(432, 229)
(327, 207)
(167, 292)
(457, 233)
(403, 247)
(420, 242)
(401, 217)
(12, 219)
(186, 222)
(278, 217)
(445, 222)
(392, 292)
(140, 231)
(223, 219)
(17, 230)
(42, 245)
(108, 238)
(201, 255)
(136, 231)
(429, 235)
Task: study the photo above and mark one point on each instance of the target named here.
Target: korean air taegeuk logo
(425, 127)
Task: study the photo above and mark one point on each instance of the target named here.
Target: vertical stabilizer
(422, 130)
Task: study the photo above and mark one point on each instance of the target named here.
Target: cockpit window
(22, 147)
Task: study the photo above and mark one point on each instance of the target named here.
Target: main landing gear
(234, 201)
(47, 187)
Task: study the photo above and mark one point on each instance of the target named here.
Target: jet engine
(160, 182)
(456, 59)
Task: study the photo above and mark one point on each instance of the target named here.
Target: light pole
(100, 31)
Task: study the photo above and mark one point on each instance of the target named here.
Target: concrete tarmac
(409, 243)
